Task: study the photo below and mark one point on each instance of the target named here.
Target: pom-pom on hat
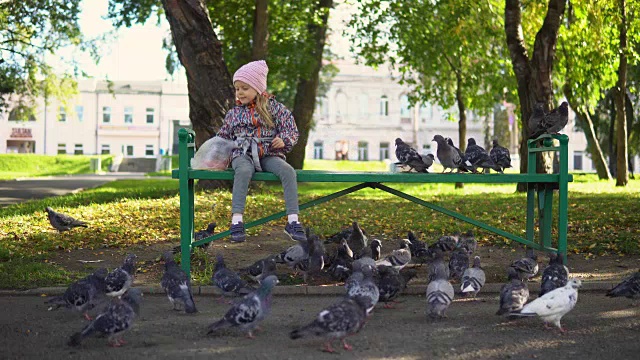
(254, 74)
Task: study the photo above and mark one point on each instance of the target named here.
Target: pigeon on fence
(62, 222)
(555, 275)
(227, 280)
(552, 122)
(629, 288)
(527, 267)
(82, 294)
(537, 115)
(410, 157)
(449, 156)
(513, 295)
(119, 280)
(439, 295)
(177, 285)
(473, 278)
(500, 155)
(479, 157)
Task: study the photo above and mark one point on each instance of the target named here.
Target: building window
(129, 150)
(363, 151)
(106, 114)
(62, 148)
(77, 150)
(577, 160)
(384, 105)
(128, 115)
(62, 114)
(105, 149)
(405, 110)
(384, 150)
(80, 113)
(150, 115)
(317, 150)
(148, 150)
(342, 110)
(425, 149)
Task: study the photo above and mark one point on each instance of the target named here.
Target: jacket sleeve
(226, 130)
(285, 125)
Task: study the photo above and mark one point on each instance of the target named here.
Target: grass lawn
(13, 166)
(602, 218)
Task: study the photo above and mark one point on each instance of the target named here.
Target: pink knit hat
(254, 74)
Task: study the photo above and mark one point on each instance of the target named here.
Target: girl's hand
(277, 143)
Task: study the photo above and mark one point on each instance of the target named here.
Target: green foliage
(13, 166)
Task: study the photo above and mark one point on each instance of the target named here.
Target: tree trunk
(533, 75)
(622, 175)
(612, 133)
(210, 87)
(462, 123)
(260, 30)
(307, 88)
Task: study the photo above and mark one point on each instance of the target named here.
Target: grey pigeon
(361, 284)
(527, 267)
(408, 156)
(337, 321)
(199, 235)
(342, 262)
(513, 295)
(119, 280)
(552, 306)
(446, 243)
(114, 320)
(468, 242)
(553, 122)
(83, 294)
(62, 222)
(500, 155)
(399, 258)
(392, 282)
(316, 255)
(555, 275)
(537, 114)
(439, 295)
(437, 265)
(228, 280)
(458, 264)
(447, 155)
(629, 288)
(419, 249)
(357, 240)
(261, 268)
(296, 256)
(479, 157)
(247, 313)
(473, 279)
(177, 285)
(466, 165)
(376, 249)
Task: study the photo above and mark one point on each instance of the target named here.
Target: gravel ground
(598, 327)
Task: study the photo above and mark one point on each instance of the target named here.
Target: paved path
(599, 328)
(17, 191)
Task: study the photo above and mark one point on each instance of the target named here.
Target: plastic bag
(213, 154)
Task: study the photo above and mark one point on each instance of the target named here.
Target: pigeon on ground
(439, 295)
(537, 114)
(513, 295)
(176, 285)
(83, 294)
(629, 288)
(114, 320)
(199, 235)
(392, 282)
(376, 249)
(316, 255)
(228, 280)
(120, 279)
(296, 256)
(399, 258)
(437, 264)
(555, 275)
(468, 242)
(552, 306)
(357, 240)
(473, 279)
(341, 264)
(446, 243)
(447, 155)
(62, 222)
(337, 321)
(410, 157)
(500, 155)
(479, 157)
(458, 264)
(552, 122)
(250, 311)
(527, 267)
(261, 268)
(361, 284)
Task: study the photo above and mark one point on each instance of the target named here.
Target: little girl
(264, 131)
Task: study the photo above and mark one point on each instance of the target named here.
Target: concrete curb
(293, 290)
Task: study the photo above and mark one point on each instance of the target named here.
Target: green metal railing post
(531, 193)
(563, 196)
(186, 149)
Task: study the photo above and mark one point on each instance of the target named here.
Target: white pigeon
(552, 306)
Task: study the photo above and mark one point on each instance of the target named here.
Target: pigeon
(316, 255)
(555, 275)
(552, 306)
(399, 258)
(447, 154)
(376, 248)
(337, 321)
(466, 165)
(392, 282)
(82, 294)
(361, 284)
(296, 256)
(479, 157)
(500, 155)
(341, 264)
(410, 157)
(117, 317)
(513, 295)
(527, 267)
(439, 295)
(177, 285)
(437, 265)
(227, 280)
(537, 114)
(261, 268)
(552, 122)
(118, 281)
(446, 243)
(458, 264)
(629, 288)
(199, 235)
(468, 242)
(473, 278)
(62, 222)
(357, 240)
(249, 311)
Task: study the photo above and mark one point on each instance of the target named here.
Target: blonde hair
(262, 106)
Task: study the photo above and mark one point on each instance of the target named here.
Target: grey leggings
(244, 170)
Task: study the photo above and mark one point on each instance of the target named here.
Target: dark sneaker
(237, 232)
(296, 231)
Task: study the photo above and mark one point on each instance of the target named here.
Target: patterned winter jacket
(243, 121)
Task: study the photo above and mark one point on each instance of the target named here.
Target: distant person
(264, 130)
